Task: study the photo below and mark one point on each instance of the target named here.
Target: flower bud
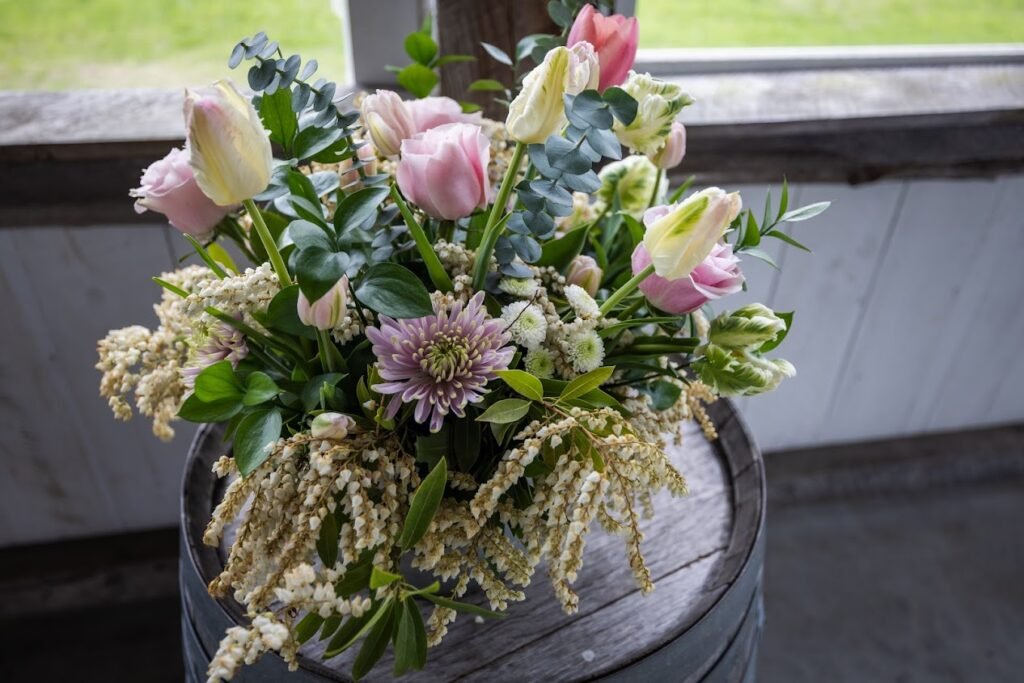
(444, 170)
(740, 373)
(228, 149)
(538, 110)
(333, 426)
(169, 187)
(746, 328)
(680, 236)
(671, 155)
(717, 276)
(658, 104)
(614, 38)
(632, 181)
(329, 310)
(584, 272)
(388, 121)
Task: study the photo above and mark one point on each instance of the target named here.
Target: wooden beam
(463, 24)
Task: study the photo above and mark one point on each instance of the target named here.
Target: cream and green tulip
(740, 373)
(679, 237)
(747, 328)
(658, 104)
(632, 180)
(538, 110)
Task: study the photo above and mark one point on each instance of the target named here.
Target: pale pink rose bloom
(444, 170)
(614, 38)
(672, 153)
(719, 275)
(168, 187)
(431, 112)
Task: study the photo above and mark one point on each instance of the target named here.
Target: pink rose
(718, 276)
(444, 170)
(168, 187)
(431, 112)
(614, 37)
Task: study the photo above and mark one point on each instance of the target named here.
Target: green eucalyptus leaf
(497, 53)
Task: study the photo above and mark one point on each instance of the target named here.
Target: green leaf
(376, 641)
(410, 639)
(761, 256)
(486, 85)
(417, 79)
(327, 541)
(769, 345)
(463, 607)
(278, 118)
(664, 394)
(331, 625)
(752, 235)
(380, 578)
(779, 235)
(318, 270)
(559, 13)
(320, 385)
(307, 628)
(497, 53)
(424, 505)
(313, 140)
(255, 436)
(586, 383)
(465, 442)
(523, 383)
(358, 207)
(354, 628)
(622, 104)
(394, 290)
(221, 256)
(196, 410)
(355, 579)
(205, 256)
(283, 314)
(259, 388)
(784, 201)
(804, 213)
(559, 253)
(218, 382)
(431, 448)
(681, 190)
(420, 47)
(505, 411)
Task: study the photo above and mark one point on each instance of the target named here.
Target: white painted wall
(908, 319)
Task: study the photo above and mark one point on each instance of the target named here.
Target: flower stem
(434, 268)
(491, 233)
(657, 184)
(268, 243)
(325, 355)
(626, 289)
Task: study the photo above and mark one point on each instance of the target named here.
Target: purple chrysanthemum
(441, 362)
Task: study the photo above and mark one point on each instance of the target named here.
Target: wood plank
(80, 285)
(902, 334)
(981, 379)
(827, 289)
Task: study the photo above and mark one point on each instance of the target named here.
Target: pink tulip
(584, 272)
(168, 187)
(718, 276)
(388, 121)
(672, 153)
(444, 170)
(431, 112)
(329, 310)
(615, 39)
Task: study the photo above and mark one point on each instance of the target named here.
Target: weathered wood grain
(698, 547)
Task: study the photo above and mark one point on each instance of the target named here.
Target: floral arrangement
(458, 343)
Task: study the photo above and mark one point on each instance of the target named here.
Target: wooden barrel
(702, 622)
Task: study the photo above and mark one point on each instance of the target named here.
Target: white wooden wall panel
(69, 468)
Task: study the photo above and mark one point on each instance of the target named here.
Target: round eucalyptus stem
(268, 243)
(491, 233)
(625, 290)
(437, 273)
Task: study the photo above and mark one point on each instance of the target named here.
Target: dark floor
(901, 587)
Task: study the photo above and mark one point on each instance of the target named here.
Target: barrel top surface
(697, 547)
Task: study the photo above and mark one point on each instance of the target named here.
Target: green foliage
(506, 410)
(422, 76)
(394, 290)
(255, 435)
(523, 383)
(423, 505)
